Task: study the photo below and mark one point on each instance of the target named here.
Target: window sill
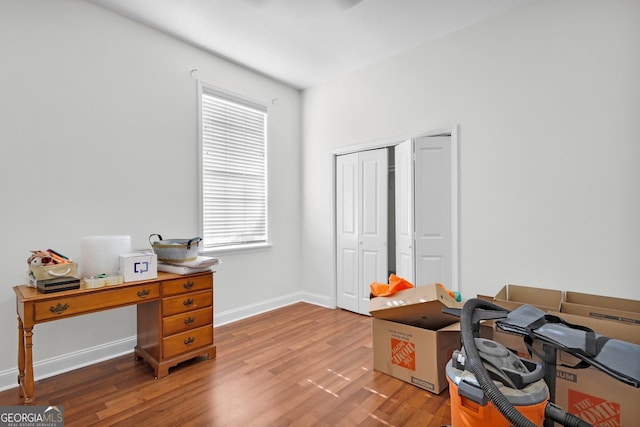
(238, 249)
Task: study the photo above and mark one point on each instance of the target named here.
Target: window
(233, 166)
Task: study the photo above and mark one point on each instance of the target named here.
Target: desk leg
(25, 362)
(20, 356)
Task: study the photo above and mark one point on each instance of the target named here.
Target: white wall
(94, 109)
(98, 134)
(547, 99)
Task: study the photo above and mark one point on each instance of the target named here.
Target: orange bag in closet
(395, 284)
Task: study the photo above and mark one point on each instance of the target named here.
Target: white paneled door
(361, 226)
(425, 223)
(404, 210)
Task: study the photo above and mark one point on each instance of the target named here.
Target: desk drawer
(187, 284)
(186, 302)
(87, 303)
(187, 341)
(187, 321)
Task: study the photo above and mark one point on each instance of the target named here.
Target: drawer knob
(144, 293)
(188, 285)
(189, 320)
(189, 341)
(188, 302)
(59, 309)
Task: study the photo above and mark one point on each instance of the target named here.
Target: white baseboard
(70, 361)
(316, 299)
(230, 316)
(78, 359)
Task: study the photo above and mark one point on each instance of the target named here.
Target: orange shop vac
(489, 386)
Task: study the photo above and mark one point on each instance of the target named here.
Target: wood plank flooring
(300, 365)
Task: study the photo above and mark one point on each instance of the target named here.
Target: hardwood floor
(300, 365)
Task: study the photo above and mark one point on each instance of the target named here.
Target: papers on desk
(200, 264)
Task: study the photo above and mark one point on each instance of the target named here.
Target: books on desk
(55, 285)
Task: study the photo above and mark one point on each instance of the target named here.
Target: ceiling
(306, 42)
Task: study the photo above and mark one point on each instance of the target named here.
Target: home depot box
(601, 307)
(590, 393)
(412, 338)
(597, 398)
(513, 296)
(138, 266)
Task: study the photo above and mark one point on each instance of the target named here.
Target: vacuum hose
(557, 414)
(476, 366)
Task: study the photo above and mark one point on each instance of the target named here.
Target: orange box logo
(403, 353)
(596, 411)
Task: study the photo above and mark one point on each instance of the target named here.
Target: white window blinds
(234, 170)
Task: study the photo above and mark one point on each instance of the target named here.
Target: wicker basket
(46, 272)
(175, 250)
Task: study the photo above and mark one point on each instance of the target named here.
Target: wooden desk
(174, 317)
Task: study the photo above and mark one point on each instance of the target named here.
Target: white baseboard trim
(70, 361)
(316, 299)
(78, 359)
(230, 316)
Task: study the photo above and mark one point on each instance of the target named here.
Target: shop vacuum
(489, 386)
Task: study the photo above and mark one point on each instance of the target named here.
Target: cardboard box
(412, 339)
(138, 266)
(588, 393)
(602, 307)
(579, 309)
(513, 296)
(597, 398)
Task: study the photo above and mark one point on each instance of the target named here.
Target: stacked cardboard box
(588, 393)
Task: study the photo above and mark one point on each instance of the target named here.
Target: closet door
(424, 212)
(361, 226)
(433, 211)
(404, 210)
(374, 175)
(347, 212)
